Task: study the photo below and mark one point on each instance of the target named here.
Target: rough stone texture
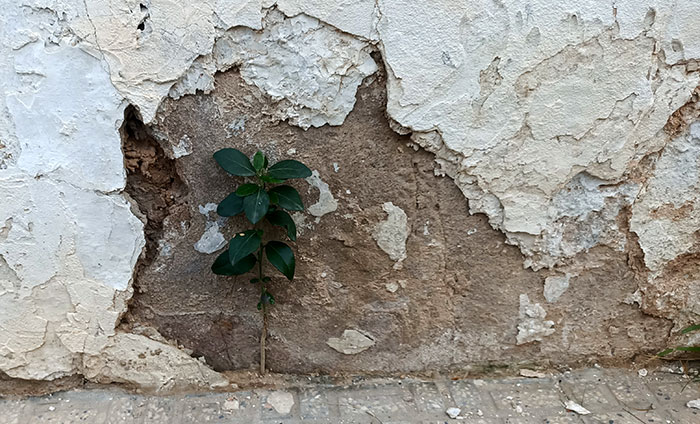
(460, 285)
(567, 128)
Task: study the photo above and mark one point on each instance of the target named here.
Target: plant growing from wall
(261, 198)
(687, 349)
(689, 352)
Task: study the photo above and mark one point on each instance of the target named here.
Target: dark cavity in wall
(152, 181)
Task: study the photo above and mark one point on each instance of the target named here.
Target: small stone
(575, 407)
(231, 404)
(643, 372)
(453, 412)
(281, 401)
(693, 404)
(392, 287)
(532, 373)
(52, 408)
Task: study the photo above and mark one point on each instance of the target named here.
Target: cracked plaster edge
(443, 159)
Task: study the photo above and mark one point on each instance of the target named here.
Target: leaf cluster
(262, 196)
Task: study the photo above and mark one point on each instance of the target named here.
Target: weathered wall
(567, 130)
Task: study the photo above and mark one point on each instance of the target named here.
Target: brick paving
(613, 396)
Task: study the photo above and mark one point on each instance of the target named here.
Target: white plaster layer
(326, 202)
(667, 215)
(391, 235)
(517, 99)
(555, 286)
(532, 326)
(69, 241)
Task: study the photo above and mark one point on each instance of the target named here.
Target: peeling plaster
(532, 326)
(540, 115)
(391, 235)
(326, 202)
(666, 216)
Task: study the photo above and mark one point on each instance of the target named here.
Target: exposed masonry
(542, 120)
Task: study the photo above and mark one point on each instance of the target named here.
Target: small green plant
(687, 349)
(262, 196)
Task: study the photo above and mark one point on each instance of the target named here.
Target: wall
(495, 183)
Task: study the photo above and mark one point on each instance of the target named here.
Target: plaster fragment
(391, 235)
(570, 405)
(555, 286)
(352, 342)
(211, 240)
(183, 147)
(532, 326)
(326, 202)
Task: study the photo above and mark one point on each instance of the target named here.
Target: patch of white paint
(391, 235)
(326, 202)
(182, 148)
(667, 214)
(555, 286)
(211, 240)
(532, 326)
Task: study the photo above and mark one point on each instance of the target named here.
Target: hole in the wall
(152, 180)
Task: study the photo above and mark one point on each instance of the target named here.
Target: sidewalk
(613, 396)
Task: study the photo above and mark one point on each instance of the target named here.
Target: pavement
(611, 396)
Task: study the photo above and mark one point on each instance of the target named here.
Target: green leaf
(287, 197)
(665, 352)
(290, 168)
(222, 265)
(266, 161)
(267, 279)
(254, 280)
(270, 180)
(232, 205)
(281, 257)
(283, 219)
(256, 205)
(688, 348)
(691, 328)
(258, 160)
(247, 189)
(242, 245)
(234, 162)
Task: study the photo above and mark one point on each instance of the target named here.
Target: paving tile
(314, 404)
(628, 417)
(527, 398)
(428, 398)
(614, 397)
(470, 398)
(386, 403)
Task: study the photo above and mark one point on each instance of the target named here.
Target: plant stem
(263, 334)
